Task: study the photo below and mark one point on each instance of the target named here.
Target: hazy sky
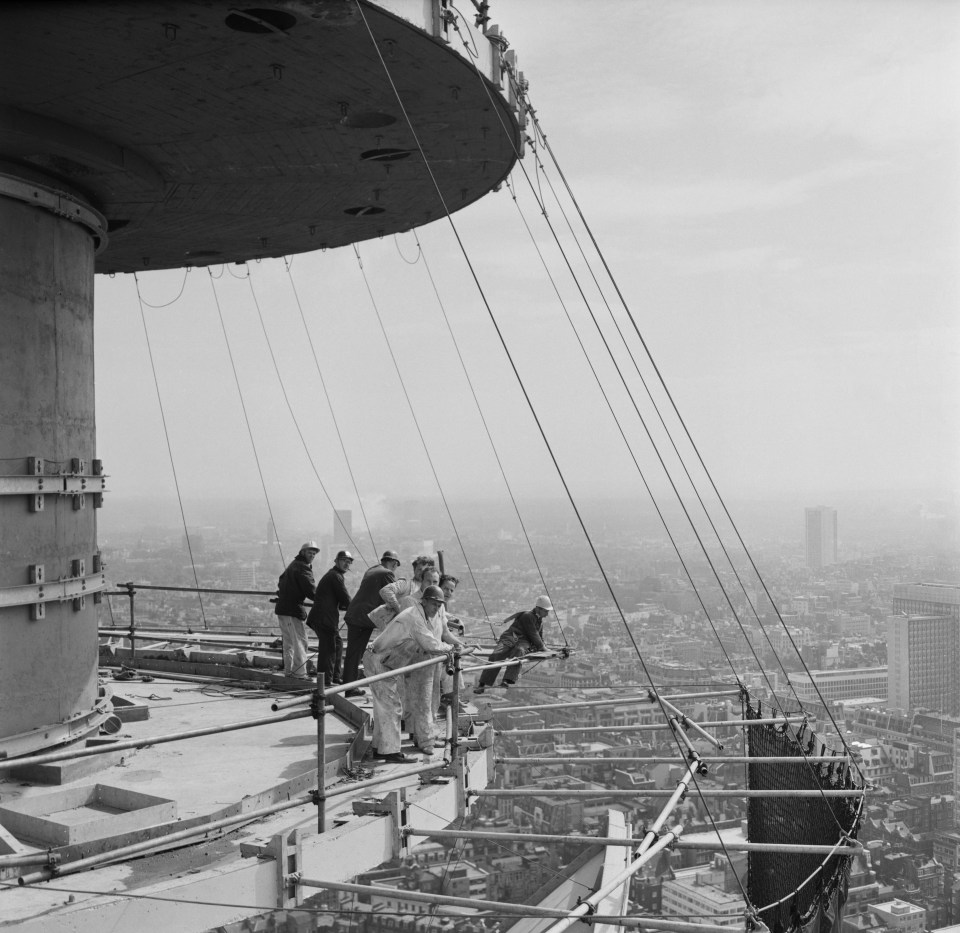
(775, 186)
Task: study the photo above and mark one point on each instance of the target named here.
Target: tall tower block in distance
(922, 655)
(820, 536)
(149, 135)
(342, 525)
(342, 532)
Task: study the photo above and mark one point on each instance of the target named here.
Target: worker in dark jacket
(331, 598)
(366, 599)
(524, 635)
(296, 584)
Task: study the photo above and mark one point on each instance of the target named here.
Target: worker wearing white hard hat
(524, 635)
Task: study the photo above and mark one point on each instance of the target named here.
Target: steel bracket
(40, 591)
(78, 484)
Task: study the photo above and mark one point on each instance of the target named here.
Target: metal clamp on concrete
(37, 592)
(77, 483)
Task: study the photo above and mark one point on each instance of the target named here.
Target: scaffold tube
(677, 759)
(7, 764)
(652, 792)
(653, 727)
(590, 903)
(355, 684)
(621, 701)
(501, 907)
(849, 847)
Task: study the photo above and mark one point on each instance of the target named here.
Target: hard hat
(390, 555)
(543, 602)
(309, 546)
(434, 592)
(344, 555)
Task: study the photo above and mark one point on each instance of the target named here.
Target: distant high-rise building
(820, 536)
(934, 599)
(342, 525)
(922, 655)
(342, 537)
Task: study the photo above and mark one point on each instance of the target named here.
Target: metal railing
(130, 589)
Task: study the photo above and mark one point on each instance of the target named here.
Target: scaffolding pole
(676, 759)
(507, 908)
(651, 792)
(655, 727)
(8, 764)
(354, 684)
(622, 701)
(714, 845)
(652, 844)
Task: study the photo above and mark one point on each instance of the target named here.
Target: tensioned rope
(486, 428)
(677, 453)
(682, 422)
(633, 456)
(772, 692)
(246, 418)
(423, 440)
(293, 417)
(520, 92)
(520, 382)
(502, 339)
(538, 197)
(643, 422)
(653, 444)
(336, 424)
(166, 434)
(613, 359)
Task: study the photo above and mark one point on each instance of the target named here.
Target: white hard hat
(543, 602)
(309, 546)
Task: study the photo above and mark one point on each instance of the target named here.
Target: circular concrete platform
(206, 132)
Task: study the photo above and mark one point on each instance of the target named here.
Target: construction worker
(296, 584)
(324, 618)
(523, 636)
(365, 600)
(448, 583)
(415, 634)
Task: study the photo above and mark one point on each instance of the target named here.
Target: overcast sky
(775, 187)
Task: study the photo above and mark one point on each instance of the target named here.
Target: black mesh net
(795, 892)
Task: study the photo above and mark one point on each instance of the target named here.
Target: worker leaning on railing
(414, 635)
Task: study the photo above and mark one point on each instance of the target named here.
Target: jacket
(367, 597)
(296, 584)
(330, 598)
(527, 626)
(411, 637)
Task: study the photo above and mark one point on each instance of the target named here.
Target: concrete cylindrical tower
(49, 564)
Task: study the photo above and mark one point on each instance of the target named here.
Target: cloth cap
(344, 555)
(543, 602)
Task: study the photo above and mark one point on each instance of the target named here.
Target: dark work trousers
(506, 648)
(357, 639)
(329, 654)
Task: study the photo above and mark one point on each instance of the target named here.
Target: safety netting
(790, 891)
